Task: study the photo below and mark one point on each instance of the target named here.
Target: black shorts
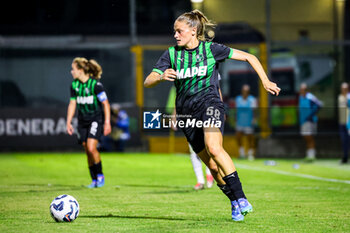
(87, 130)
(209, 110)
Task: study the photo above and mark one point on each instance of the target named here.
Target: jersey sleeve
(163, 63)
(100, 92)
(314, 100)
(73, 95)
(220, 51)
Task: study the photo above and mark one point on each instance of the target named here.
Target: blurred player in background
(343, 111)
(120, 131)
(120, 127)
(89, 96)
(195, 160)
(193, 66)
(309, 105)
(245, 105)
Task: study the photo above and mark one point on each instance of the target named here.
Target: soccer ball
(64, 208)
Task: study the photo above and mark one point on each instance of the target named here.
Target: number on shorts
(215, 113)
(210, 111)
(93, 128)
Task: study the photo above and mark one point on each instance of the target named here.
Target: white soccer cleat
(210, 181)
(198, 186)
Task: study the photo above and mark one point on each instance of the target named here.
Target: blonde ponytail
(205, 27)
(95, 69)
(91, 67)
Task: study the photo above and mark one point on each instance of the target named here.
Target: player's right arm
(154, 78)
(71, 110)
(162, 71)
(70, 114)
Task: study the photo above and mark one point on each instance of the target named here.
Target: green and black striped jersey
(197, 70)
(89, 96)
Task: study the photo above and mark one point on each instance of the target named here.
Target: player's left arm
(107, 113)
(255, 63)
(102, 97)
(316, 105)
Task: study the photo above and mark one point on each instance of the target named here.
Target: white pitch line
(294, 174)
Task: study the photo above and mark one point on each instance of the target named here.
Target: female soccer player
(193, 66)
(93, 113)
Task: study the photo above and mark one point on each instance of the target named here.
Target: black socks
(233, 182)
(227, 191)
(95, 170)
(92, 173)
(98, 168)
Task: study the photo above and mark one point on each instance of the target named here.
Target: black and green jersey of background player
(197, 70)
(89, 96)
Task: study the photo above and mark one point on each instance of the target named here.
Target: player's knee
(214, 150)
(91, 149)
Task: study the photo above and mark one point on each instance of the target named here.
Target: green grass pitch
(153, 193)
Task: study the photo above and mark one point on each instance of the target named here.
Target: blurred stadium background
(297, 41)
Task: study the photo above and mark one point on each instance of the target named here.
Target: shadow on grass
(172, 191)
(155, 186)
(172, 188)
(137, 217)
(33, 188)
